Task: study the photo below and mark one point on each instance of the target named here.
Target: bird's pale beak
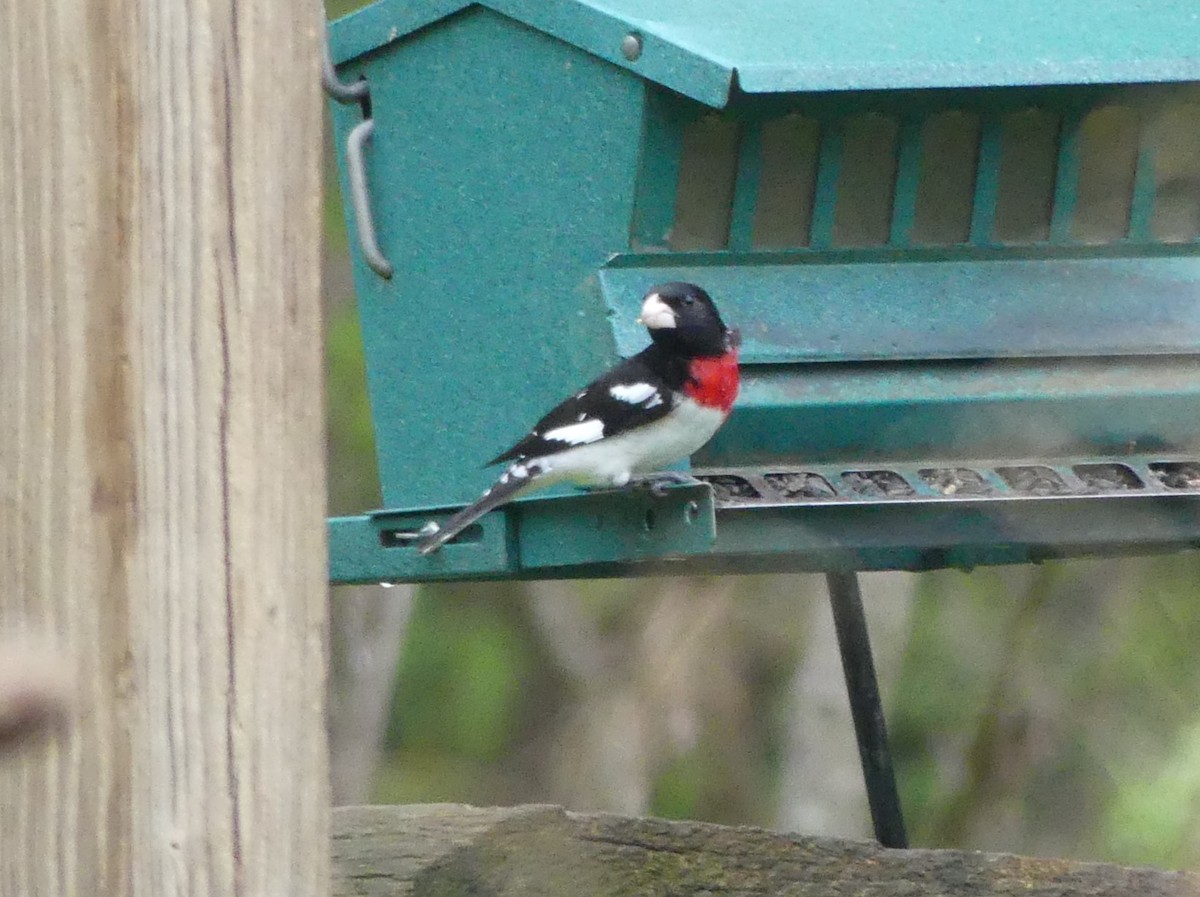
(656, 314)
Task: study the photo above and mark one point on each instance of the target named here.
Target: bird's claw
(657, 483)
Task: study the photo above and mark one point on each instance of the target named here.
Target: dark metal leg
(865, 706)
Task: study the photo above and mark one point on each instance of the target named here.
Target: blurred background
(1050, 710)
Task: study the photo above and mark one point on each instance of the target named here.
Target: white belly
(612, 461)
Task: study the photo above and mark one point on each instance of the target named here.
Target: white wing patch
(516, 471)
(577, 434)
(634, 393)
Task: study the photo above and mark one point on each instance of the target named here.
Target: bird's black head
(681, 318)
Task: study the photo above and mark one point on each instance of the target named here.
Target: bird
(646, 413)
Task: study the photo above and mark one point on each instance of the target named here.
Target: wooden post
(161, 475)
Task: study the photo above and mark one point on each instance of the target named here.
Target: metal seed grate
(877, 483)
(1107, 477)
(1034, 479)
(955, 481)
(1177, 474)
(800, 485)
(819, 485)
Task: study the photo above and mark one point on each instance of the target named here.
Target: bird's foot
(657, 483)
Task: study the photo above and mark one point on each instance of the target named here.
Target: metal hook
(362, 200)
(354, 92)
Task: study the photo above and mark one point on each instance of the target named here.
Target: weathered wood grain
(450, 849)
(161, 473)
(35, 694)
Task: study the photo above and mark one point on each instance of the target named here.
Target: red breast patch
(714, 381)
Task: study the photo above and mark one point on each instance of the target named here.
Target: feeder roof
(702, 47)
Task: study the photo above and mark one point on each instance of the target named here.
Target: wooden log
(444, 849)
(161, 442)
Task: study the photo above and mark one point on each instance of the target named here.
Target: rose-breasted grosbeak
(647, 412)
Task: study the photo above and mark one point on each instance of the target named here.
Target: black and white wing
(634, 393)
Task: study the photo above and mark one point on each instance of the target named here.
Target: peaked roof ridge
(699, 47)
(591, 26)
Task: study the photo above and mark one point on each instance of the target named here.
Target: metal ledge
(924, 516)
(587, 534)
(912, 516)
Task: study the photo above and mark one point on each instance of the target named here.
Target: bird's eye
(689, 300)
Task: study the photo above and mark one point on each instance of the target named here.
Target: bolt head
(631, 46)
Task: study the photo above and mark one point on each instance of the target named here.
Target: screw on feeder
(631, 46)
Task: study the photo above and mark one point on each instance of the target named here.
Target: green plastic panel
(699, 47)
(967, 534)
(960, 409)
(496, 232)
(534, 538)
(829, 309)
(777, 47)
(366, 549)
(571, 531)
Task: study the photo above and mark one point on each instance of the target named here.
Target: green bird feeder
(960, 241)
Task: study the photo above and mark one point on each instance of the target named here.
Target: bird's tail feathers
(515, 480)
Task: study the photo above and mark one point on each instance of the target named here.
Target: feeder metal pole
(865, 706)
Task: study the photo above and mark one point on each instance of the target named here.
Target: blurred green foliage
(470, 678)
(335, 9)
(477, 703)
(1065, 703)
(1152, 817)
(353, 478)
